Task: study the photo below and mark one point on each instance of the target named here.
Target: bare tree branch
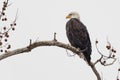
(104, 58)
(48, 43)
(95, 71)
(38, 44)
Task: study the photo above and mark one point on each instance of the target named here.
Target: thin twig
(55, 36)
(99, 60)
(99, 51)
(68, 54)
(105, 57)
(108, 64)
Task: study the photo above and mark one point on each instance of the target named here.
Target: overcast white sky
(39, 19)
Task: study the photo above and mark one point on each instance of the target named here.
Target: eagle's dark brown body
(78, 36)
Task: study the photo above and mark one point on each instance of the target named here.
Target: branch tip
(55, 36)
(29, 47)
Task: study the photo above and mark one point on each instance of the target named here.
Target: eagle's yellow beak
(68, 16)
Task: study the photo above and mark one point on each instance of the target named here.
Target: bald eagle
(78, 35)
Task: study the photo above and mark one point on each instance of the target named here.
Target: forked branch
(103, 57)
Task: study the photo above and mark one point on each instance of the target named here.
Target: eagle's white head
(73, 15)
